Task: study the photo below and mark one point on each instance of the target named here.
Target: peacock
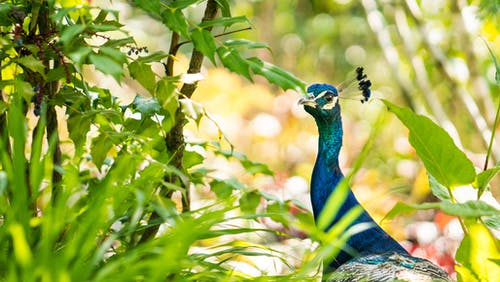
(372, 254)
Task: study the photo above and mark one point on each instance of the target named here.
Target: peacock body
(372, 254)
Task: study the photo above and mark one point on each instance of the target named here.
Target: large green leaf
(441, 157)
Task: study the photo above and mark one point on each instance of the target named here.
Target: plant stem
(174, 140)
(492, 138)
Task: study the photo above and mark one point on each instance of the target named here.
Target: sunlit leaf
(478, 255)
(469, 209)
(441, 157)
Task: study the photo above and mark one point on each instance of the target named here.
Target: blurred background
(431, 56)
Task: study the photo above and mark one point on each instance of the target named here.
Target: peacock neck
(327, 174)
(325, 179)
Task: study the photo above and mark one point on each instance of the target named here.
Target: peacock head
(322, 99)
(322, 102)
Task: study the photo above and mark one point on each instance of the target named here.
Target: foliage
(100, 203)
(94, 212)
(448, 168)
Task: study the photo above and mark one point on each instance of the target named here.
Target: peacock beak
(308, 102)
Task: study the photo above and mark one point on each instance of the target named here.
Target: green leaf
(146, 106)
(232, 60)
(276, 75)
(484, 178)
(24, 89)
(221, 189)
(492, 221)
(3, 107)
(78, 127)
(144, 75)
(438, 189)
(225, 21)
(71, 32)
(107, 65)
(478, 255)
(119, 42)
(79, 56)
(191, 158)
(154, 57)
(256, 167)
(250, 201)
(104, 26)
(100, 148)
(32, 63)
(224, 7)
(434, 146)
(181, 4)
(469, 209)
(246, 43)
(113, 53)
(204, 42)
(167, 96)
(175, 20)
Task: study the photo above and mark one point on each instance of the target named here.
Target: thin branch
(215, 36)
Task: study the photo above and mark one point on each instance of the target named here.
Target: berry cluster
(137, 50)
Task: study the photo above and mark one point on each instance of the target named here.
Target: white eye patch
(330, 104)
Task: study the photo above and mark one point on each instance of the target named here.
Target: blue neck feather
(325, 178)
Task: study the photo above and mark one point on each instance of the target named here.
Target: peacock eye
(329, 97)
